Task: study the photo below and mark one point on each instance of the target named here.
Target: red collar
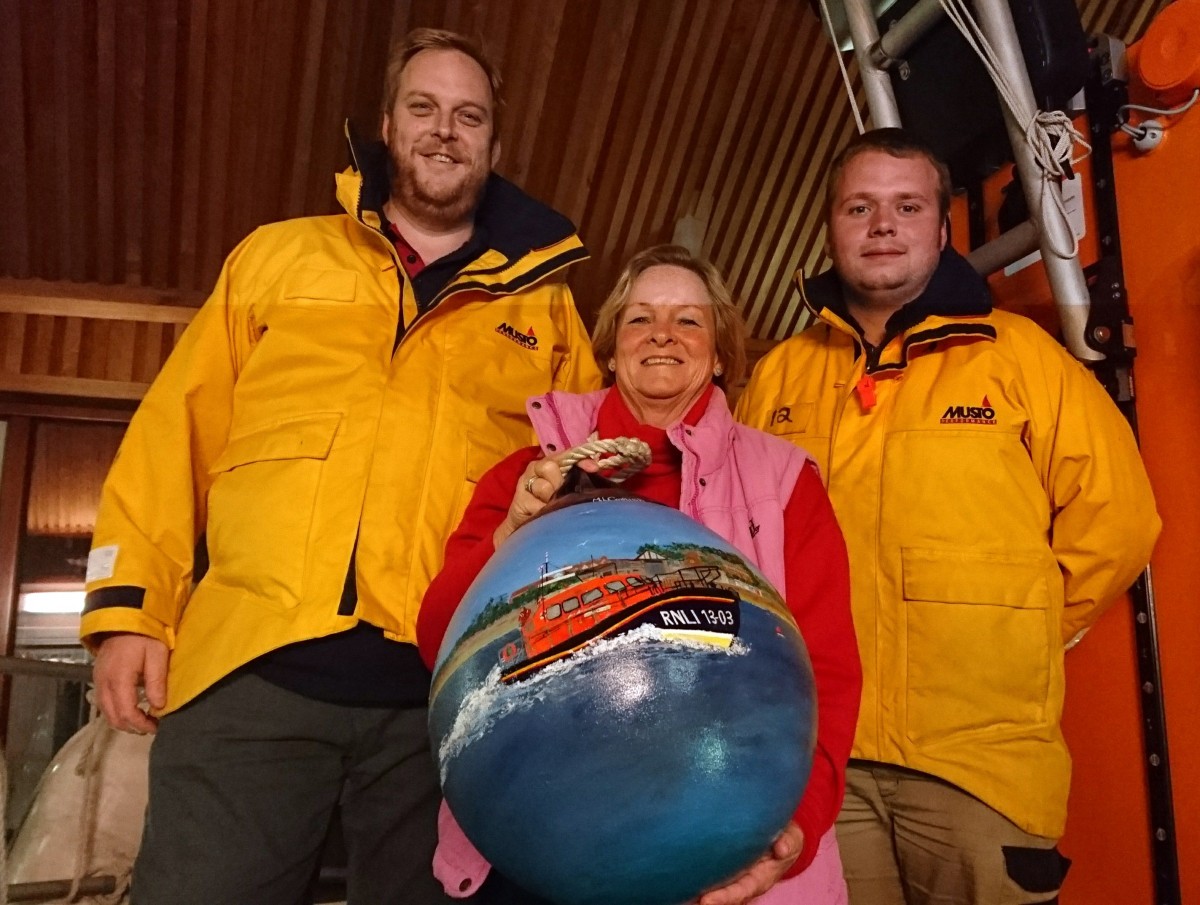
(409, 259)
(614, 419)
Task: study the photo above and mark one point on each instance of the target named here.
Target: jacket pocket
(261, 506)
(317, 285)
(980, 654)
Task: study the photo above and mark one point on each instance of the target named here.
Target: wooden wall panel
(14, 163)
(70, 462)
(53, 342)
(103, 239)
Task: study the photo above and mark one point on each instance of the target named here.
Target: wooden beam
(189, 156)
(107, 127)
(60, 306)
(101, 292)
(132, 177)
(114, 411)
(14, 163)
(79, 387)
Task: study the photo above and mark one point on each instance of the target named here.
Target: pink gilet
(736, 481)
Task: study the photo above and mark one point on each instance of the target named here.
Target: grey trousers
(911, 839)
(244, 781)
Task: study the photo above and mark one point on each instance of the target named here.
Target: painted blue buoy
(623, 710)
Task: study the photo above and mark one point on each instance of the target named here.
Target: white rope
(1172, 111)
(837, 52)
(89, 769)
(1051, 136)
(628, 455)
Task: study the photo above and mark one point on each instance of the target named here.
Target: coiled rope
(626, 455)
(1050, 135)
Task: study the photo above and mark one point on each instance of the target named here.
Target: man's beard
(445, 206)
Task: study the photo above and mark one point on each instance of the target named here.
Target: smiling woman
(666, 348)
(667, 330)
(670, 337)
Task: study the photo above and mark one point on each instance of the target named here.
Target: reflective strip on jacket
(287, 426)
(994, 504)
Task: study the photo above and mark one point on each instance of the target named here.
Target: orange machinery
(1112, 834)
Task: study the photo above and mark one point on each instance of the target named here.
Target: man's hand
(123, 661)
(762, 874)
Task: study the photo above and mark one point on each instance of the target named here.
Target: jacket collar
(523, 240)
(955, 305)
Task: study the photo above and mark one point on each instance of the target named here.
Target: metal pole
(906, 32)
(1004, 249)
(1064, 274)
(54, 669)
(881, 102)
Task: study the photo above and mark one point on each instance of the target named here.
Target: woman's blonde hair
(730, 333)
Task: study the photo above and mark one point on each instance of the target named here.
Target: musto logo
(526, 339)
(970, 414)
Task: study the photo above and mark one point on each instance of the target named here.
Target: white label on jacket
(102, 562)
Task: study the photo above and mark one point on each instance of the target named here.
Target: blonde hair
(420, 39)
(894, 142)
(730, 333)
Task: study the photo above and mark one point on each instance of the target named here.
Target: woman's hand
(536, 487)
(762, 874)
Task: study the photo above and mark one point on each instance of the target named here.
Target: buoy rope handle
(627, 455)
(89, 768)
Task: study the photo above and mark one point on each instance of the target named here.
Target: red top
(409, 259)
(818, 591)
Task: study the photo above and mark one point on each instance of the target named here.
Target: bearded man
(284, 494)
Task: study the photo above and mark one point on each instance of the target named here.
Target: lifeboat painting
(684, 605)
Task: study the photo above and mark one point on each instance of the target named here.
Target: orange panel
(1108, 827)
(1159, 203)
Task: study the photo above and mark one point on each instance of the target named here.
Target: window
(592, 595)
(553, 612)
(570, 604)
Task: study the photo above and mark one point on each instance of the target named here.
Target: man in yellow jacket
(993, 503)
(284, 492)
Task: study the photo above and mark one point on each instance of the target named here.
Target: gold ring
(529, 484)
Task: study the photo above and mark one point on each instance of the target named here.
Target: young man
(318, 430)
(993, 503)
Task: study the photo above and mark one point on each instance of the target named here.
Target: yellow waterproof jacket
(289, 424)
(994, 504)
